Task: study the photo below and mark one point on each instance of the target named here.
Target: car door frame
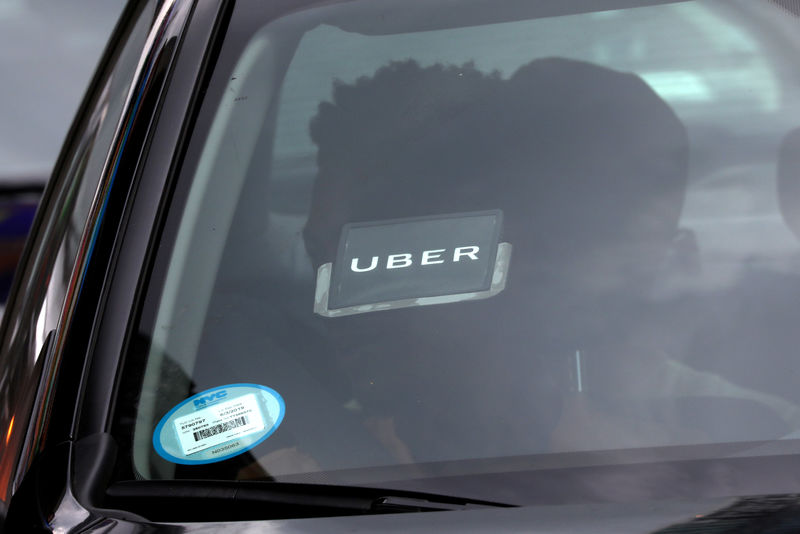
(71, 377)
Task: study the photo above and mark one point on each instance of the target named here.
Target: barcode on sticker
(218, 423)
(219, 429)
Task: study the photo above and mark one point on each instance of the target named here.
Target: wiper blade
(197, 500)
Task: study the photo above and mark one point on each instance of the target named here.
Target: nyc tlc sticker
(218, 424)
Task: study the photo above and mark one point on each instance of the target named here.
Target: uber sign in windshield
(414, 262)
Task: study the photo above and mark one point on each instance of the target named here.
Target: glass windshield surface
(444, 242)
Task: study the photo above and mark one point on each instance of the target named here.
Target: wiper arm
(196, 500)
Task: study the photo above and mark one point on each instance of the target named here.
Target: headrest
(789, 180)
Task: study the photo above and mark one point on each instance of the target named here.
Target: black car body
(324, 266)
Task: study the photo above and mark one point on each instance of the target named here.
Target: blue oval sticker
(218, 423)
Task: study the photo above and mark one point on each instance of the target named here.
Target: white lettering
(355, 268)
(398, 261)
(430, 257)
(406, 259)
(470, 252)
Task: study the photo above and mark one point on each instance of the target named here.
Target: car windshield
(413, 240)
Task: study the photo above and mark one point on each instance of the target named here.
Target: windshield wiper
(166, 500)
